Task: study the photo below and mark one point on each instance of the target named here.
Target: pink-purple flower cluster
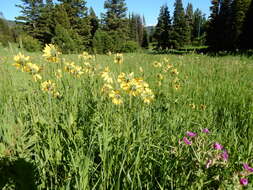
(247, 171)
(223, 155)
(191, 134)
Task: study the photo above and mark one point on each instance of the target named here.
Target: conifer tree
(239, 12)
(45, 23)
(213, 24)
(94, 21)
(163, 29)
(115, 21)
(247, 34)
(180, 29)
(78, 16)
(145, 38)
(199, 27)
(189, 22)
(224, 25)
(145, 41)
(133, 33)
(30, 10)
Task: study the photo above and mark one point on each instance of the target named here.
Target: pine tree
(115, 21)
(30, 10)
(133, 33)
(163, 29)
(78, 16)
(180, 29)
(219, 32)
(145, 41)
(45, 22)
(94, 21)
(140, 29)
(213, 24)
(145, 38)
(189, 22)
(247, 34)
(239, 11)
(224, 25)
(199, 27)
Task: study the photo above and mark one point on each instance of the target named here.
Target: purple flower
(191, 134)
(217, 146)
(247, 168)
(244, 181)
(187, 141)
(224, 155)
(205, 130)
(209, 163)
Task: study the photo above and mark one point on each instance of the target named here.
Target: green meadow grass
(83, 141)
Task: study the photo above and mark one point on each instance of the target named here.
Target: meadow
(132, 121)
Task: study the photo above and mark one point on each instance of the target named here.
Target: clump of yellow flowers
(85, 56)
(73, 69)
(51, 53)
(165, 67)
(118, 58)
(50, 88)
(23, 62)
(134, 86)
(106, 76)
(128, 84)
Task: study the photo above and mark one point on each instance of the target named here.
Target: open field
(73, 135)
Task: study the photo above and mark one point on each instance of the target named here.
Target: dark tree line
(74, 27)
(230, 25)
(187, 27)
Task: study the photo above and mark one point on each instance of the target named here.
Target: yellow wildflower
(58, 73)
(77, 71)
(176, 86)
(109, 53)
(31, 68)
(160, 77)
(118, 58)
(133, 87)
(85, 56)
(21, 60)
(106, 75)
(166, 60)
(174, 71)
(202, 107)
(147, 96)
(193, 106)
(116, 97)
(157, 64)
(176, 80)
(56, 94)
(106, 88)
(48, 86)
(37, 77)
(51, 53)
(69, 66)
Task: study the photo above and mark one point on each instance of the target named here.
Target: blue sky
(148, 8)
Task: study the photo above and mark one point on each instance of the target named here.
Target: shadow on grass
(17, 174)
(181, 51)
(205, 51)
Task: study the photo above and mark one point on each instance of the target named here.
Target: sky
(149, 8)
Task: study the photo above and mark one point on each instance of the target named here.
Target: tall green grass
(83, 141)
